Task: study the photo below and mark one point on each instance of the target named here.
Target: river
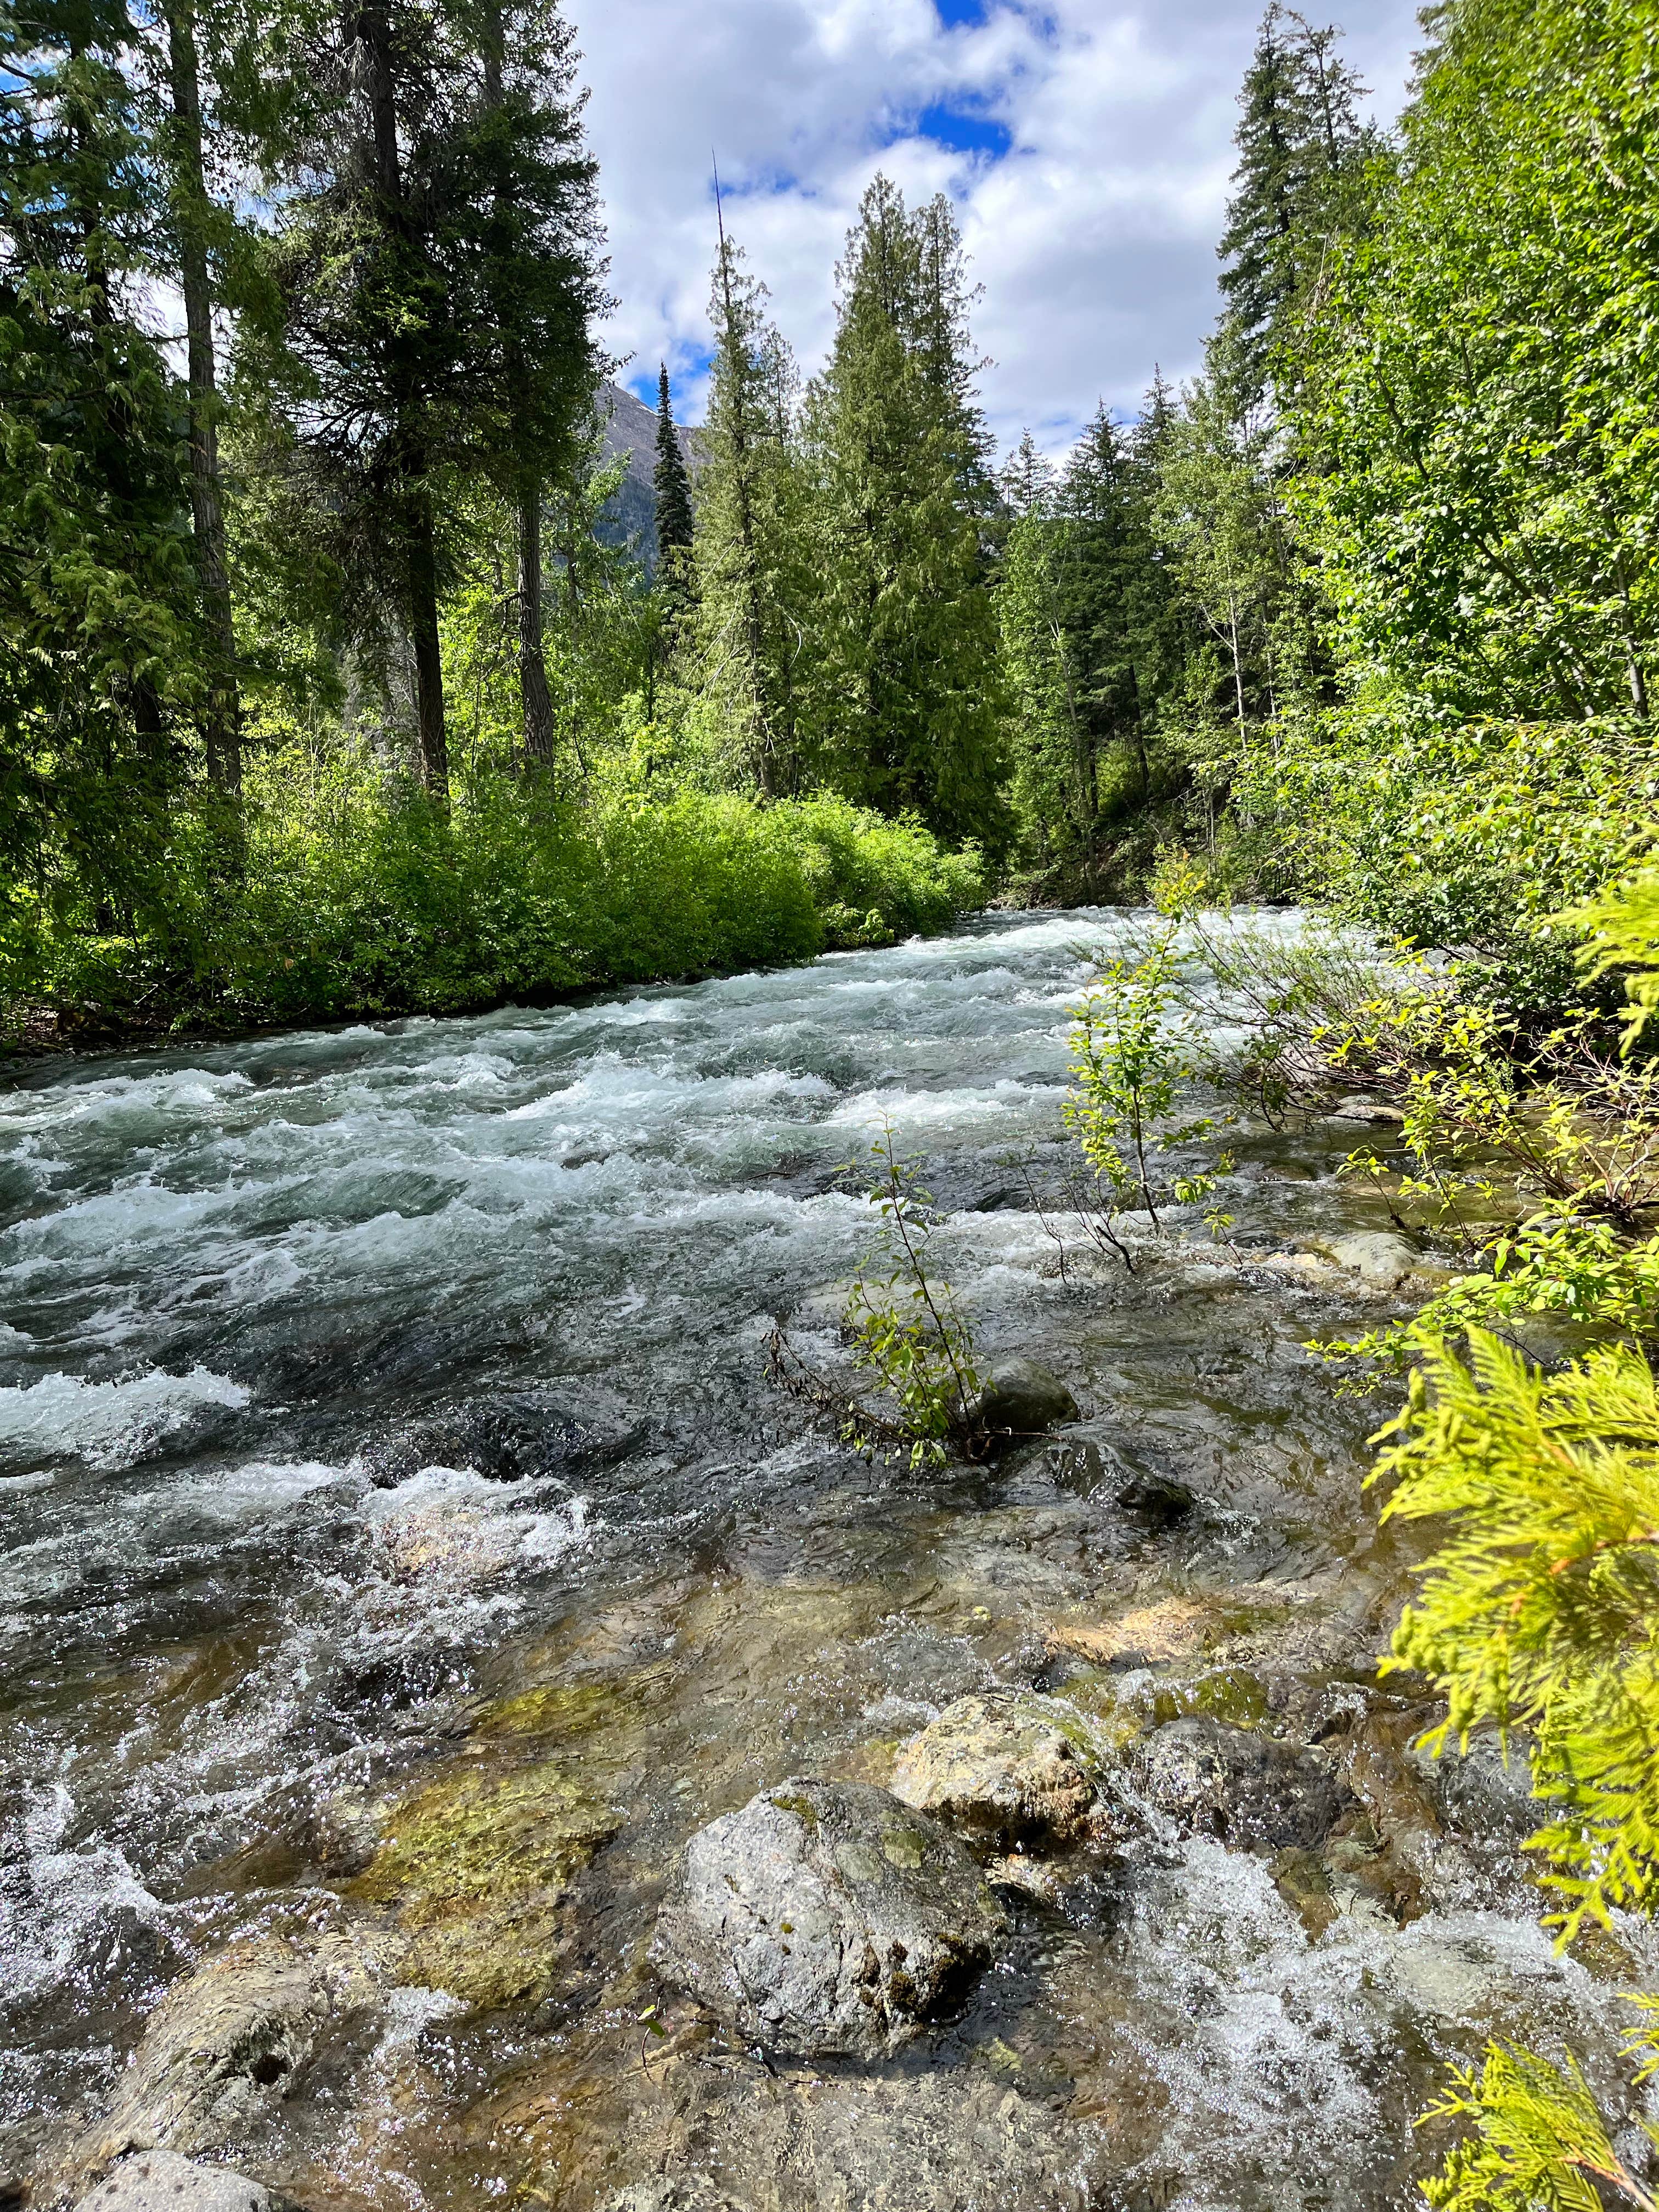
(383, 1403)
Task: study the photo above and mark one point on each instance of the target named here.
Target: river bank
(407, 1561)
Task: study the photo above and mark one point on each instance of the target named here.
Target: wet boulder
(221, 2047)
(827, 1917)
(162, 2181)
(1380, 1260)
(1010, 1768)
(1018, 1398)
(1245, 1788)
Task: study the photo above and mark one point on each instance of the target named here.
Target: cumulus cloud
(1087, 144)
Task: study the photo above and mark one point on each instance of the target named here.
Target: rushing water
(358, 1388)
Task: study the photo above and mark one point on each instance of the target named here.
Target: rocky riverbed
(469, 1739)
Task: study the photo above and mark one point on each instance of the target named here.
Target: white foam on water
(110, 1424)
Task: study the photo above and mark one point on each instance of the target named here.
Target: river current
(374, 1398)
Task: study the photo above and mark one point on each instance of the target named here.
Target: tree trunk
(532, 665)
(222, 723)
(428, 661)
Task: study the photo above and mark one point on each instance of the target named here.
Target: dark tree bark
(430, 718)
(532, 665)
(222, 726)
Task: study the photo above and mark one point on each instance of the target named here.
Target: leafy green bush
(343, 896)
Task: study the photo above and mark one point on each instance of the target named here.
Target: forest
(329, 691)
(322, 695)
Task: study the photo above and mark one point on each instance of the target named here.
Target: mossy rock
(557, 1709)
(476, 1866)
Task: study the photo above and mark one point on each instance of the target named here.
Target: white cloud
(1093, 233)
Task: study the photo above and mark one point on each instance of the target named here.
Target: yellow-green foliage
(347, 895)
(1621, 926)
(1539, 2144)
(1540, 1606)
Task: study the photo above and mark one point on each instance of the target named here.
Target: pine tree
(530, 206)
(105, 659)
(1028, 476)
(441, 267)
(905, 707)
(676, 524)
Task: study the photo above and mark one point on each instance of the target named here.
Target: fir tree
(676, 524)
(1300, 142)
(440, 267)
(106, 655)
(748, 545)
(905, 705)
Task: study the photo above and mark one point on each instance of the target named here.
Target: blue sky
(1086, 143)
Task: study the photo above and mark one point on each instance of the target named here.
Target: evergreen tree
(440, 265)
(676, 525)
(748, 539)
(106, 654)
(1028, 476)
(672, 482)
(1301, 146)
(535, 258)
(905, 706)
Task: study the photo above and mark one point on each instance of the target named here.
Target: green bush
(343, 896)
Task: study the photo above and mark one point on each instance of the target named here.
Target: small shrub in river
(1128, 1062)
(909, 1336)
(911, 1342)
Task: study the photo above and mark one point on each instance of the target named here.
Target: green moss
(555, 1709)
(803, 1808)
(1232, 1694)
(475, 1866)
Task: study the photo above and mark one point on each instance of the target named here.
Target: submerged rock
(221, 2047)
(1380, 1260)
(477, 1865)
(1011, 1768)
(827, 1917)
(162, 2181)
(1021, 1399)
(1233, 1784)
(954, 2139)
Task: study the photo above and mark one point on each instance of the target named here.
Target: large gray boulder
(826, 1917)
(162, 2181)
(1011, 1768)
(1234, 1784)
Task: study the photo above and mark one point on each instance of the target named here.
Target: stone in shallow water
(951, 2139)
(1022, 1399)
(1380, 1259)
(477, 1865)
(222, 2045)
(827, 1917)
(1241, 1786)
(161, 2181)
(1011, 1768)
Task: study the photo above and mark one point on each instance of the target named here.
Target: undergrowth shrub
(343, 896)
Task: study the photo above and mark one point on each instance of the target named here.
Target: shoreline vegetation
(344, 905)
(330, 691)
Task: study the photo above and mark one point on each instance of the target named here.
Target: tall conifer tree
(905, 702)
(748, 533)
(675, 520)
(671, 480)
(1301, 145)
